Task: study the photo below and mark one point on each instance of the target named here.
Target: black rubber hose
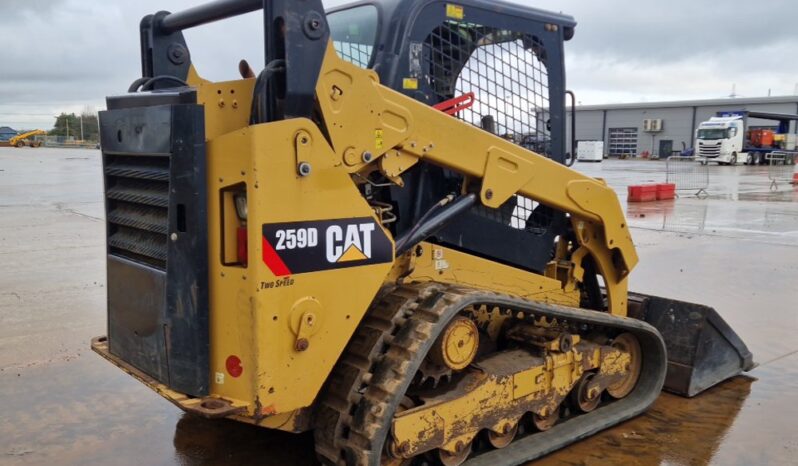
(164, 77)
(135, 85)
(146, 82)
(258, 109)
(430, 224)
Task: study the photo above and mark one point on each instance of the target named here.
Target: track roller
(455, 459)
(502, 439)
(586, 396)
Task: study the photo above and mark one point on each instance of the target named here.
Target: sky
(67, 55)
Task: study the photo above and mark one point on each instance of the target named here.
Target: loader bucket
(702, 349)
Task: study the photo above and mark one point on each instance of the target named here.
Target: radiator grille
(137, 198)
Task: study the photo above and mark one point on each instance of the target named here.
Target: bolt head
(304, 169)
(489, 194)
(367, 156)
(301, 344)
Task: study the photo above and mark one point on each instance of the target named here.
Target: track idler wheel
(501, 440)
(457, 346)
(627, 343)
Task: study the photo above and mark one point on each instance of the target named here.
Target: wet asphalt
(735, 249)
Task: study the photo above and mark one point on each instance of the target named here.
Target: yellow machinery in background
(378, 238)
(24, 139)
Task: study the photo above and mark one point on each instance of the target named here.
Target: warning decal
(300, 247)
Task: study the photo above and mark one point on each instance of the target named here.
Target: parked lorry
(728, 139)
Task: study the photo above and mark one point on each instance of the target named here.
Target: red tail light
(242, 245)
(233, 366)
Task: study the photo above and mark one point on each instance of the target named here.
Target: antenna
(734, 91)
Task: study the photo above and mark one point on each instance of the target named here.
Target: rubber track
(368, 383)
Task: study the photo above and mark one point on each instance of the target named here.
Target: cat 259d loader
(377, 237)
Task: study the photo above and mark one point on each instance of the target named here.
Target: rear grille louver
(137, 195)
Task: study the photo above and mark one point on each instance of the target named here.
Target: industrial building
(7, 133)
(660, 128)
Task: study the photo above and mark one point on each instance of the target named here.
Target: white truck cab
(720, 139)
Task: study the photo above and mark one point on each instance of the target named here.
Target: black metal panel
(180, 95)
(187, 264)
(156, 222)
(136, 303)
(138, 131)
(163, 53)
(702, 349)
(296, 31)
(516, 234)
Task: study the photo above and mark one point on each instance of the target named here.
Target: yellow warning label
(410, 83)
(378, 138)
(454, 11)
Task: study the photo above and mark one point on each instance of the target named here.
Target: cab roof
(408, 8)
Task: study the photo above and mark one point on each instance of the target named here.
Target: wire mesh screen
(688, 174)
(780, 168)
(357, 54)
(354, 31)
(506, 72)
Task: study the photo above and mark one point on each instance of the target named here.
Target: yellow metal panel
(445, 265)
(504, 172)
(227, 103)
(251, 308)
(530, 381)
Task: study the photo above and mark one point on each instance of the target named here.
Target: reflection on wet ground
(697, 426)
(200, 441)
(736, 251)
(759, 211)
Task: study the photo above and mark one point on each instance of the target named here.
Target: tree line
(68, 125)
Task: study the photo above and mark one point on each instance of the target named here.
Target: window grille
(507, 73)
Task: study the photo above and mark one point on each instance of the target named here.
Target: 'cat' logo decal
(299, 247)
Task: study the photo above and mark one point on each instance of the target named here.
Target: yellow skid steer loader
(377, 237)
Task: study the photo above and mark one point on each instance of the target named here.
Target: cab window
(354, 32)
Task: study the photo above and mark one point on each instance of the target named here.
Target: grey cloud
(69, 53)
(653, 31)
(16, 10)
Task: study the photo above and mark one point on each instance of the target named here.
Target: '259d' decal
(299, 247)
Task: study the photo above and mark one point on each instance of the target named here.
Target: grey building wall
(679, 119)
(589, 126)
(676, 126)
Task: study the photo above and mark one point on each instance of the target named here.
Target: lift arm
(371, 124)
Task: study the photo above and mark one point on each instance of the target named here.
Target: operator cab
(495, 65)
